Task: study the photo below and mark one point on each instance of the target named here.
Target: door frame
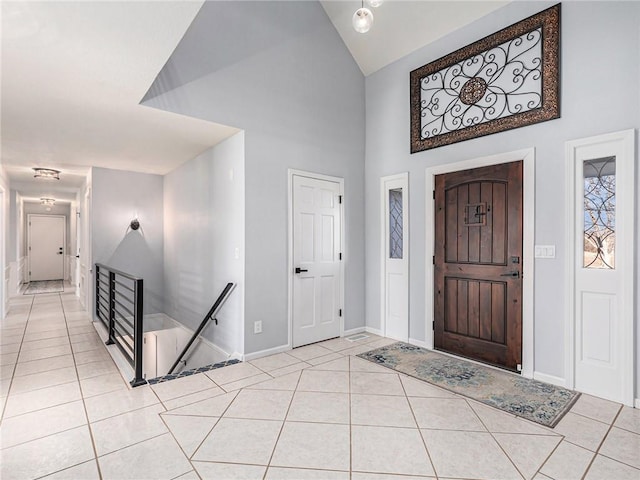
(404, 177)
(64, 240)
(290, 264)
(626, 141)
(528, 236)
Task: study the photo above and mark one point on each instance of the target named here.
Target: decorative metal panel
(599, 213)
(506, 80)
(395, 223)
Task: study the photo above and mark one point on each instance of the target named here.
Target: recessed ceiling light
(47, 173)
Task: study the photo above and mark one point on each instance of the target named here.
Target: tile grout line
(15, 365)
(433, 465)
(350, 418)
(284, 420)
(601, 443)
(84, 405)
(494, 438)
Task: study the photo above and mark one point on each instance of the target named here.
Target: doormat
(44, 286)
(536, 401)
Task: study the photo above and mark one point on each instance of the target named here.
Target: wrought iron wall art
(507, 80)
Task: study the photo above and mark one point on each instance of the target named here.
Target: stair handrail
(109, 310)
(217, 305)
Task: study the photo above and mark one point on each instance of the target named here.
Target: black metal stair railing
(119, 305)
(226, 291)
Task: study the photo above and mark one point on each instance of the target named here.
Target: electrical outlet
(257, 326)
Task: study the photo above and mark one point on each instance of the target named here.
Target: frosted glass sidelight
(599, 213)
(395, 223)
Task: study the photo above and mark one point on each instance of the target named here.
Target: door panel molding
(582, 289)
(291, 173)
(528, 195)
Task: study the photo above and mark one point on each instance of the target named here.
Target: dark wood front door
(478, 264)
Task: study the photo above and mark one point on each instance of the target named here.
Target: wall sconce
(46, 173)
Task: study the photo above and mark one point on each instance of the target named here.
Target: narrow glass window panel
(395, 223)
(599, 213)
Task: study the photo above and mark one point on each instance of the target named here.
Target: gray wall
(280, 71)
(117, 197)
(600, 94)
(204, 225)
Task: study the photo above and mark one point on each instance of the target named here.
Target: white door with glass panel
(603, 209)
(395, 257)
(46, 247)
(316, 281)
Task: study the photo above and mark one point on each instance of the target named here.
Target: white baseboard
(419, 343)
(375, 331)
(553, 380)
(637, 403)
(353, 331)
(265, 353)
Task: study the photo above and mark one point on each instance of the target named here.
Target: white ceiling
(401, 26)
(73, 74)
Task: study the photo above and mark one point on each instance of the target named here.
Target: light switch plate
(545, 251)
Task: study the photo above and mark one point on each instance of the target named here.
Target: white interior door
(316, 229)
(395, 257)
(603, 285)
(46, 247)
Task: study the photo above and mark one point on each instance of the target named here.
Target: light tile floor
(317, 412)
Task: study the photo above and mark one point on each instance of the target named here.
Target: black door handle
(300, 270)
(511, 274)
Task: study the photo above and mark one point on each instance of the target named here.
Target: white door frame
(384, 244)
(4, 291)
(528, 230)
(290, 263)
(64, 240)
(626, 148)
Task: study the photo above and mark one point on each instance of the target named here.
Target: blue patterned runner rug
(536, 401)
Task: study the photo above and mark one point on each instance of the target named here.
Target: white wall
(116, 198)
(204, 241)
(279, 71)
(4, 230)
(600, 93)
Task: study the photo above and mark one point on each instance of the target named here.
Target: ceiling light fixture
(46, 173)
(363, 18)
(48, 202)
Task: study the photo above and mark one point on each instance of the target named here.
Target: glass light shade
(375, 3)
(46, 173)
(362, 20)
(47, 202)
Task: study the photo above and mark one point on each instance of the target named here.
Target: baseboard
(265, 353)
(419, 343)
(637, 403)
(375, 331)
(353, 331)
(553, 380)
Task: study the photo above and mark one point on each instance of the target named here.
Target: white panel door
(316, 260)
(395, 257)
(603, 214)
(46, 247)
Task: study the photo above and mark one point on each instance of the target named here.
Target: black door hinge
(340, 312)
(340, 199)
(434, 259)
(434, 194)
(340, 255)
(433, 326)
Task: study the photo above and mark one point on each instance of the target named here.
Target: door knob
(300, 270)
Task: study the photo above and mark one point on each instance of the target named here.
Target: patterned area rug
(536, 401)
(44, 286)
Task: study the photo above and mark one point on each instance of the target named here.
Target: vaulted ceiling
(73, 74)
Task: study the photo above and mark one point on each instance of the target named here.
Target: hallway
(316, 412)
